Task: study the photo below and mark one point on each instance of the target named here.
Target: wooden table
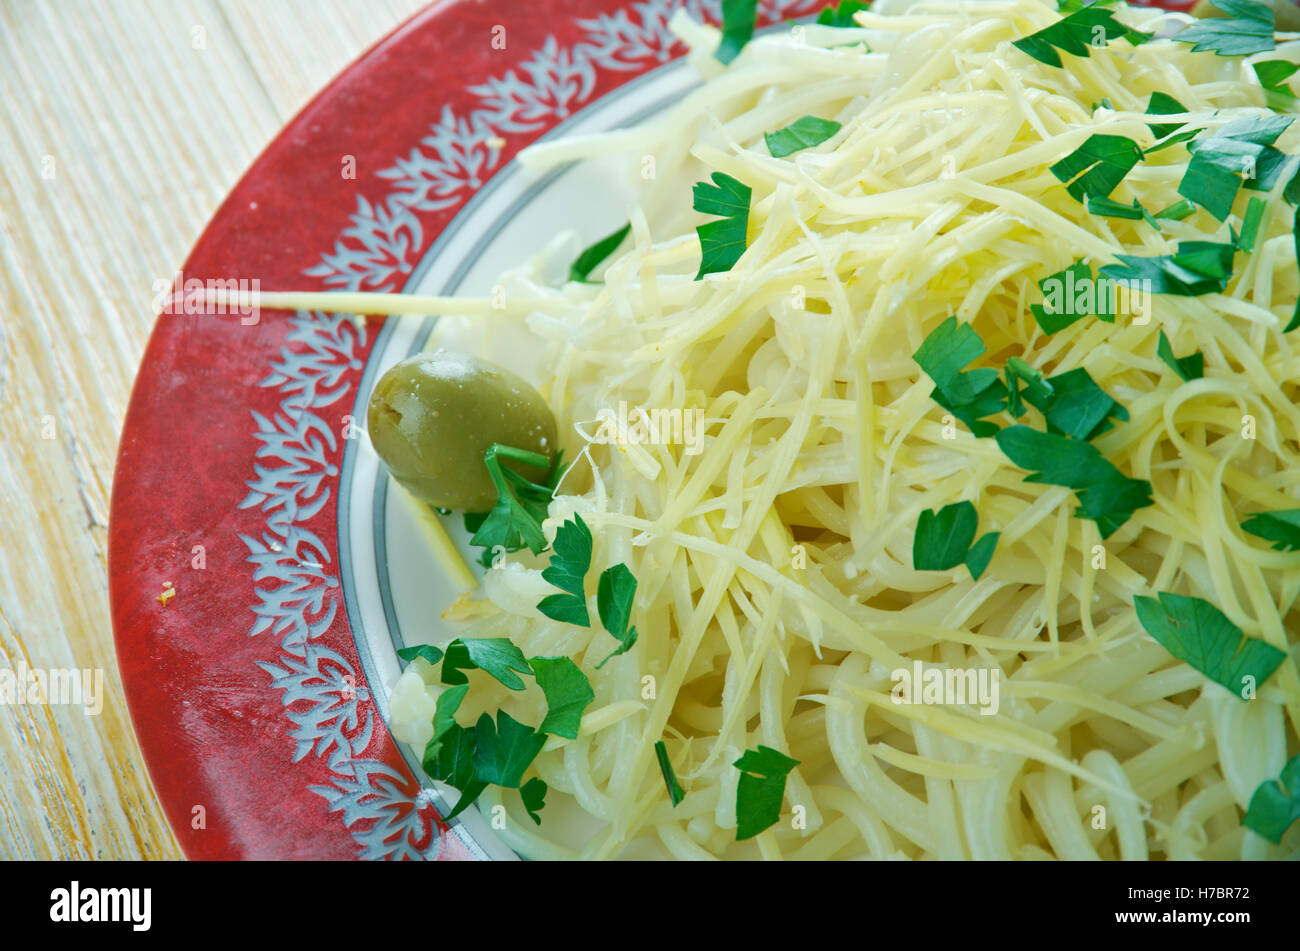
(123, 125)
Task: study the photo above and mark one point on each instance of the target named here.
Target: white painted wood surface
(123, 123)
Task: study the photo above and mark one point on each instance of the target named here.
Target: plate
(261, 575)
(260, 578)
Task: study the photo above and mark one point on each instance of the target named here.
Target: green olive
(434, 415)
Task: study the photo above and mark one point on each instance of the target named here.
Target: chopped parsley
(516, 519)
(1294, 322)
(615, 591)
(1272, 75)
(1166, 133)
(722, 242)
(505, 749)
(1240, 153)
(453, 763)
(1275, 805)
(803, 133)
(1198, 633)
(1247, 29)
(533, 794)
(841, 15)
(499, 752)
(1250, 224)
(570, 559)
(590, 258)
(675, 792)
(444, 717)
(1070, 295)
(568, 694)
(943, 540)
(1190, 367)
(761, 790)
(497, 656)
(1074, 405)
(1076, 33)
(1105, 494)
(1282, 528)
(1018, 371)
(1097, 166)
(981, 553)
(1109, 208)
(1177, 211)
(614, 595)
(738, 19)
(968, 395)
(427, 651)
(1198, 267)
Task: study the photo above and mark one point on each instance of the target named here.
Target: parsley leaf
(427, 651)
(454, 765)
(947, 350)
(1018, 370)
(614, 595)
(516, 519)
(675, 792)
(1250, 224)
(1272, 75)
(738, 18)
(1106, 495)
(1075, 405)
(722, 242)
(494, 655)
(590, 258)
(1241, 148)
(1075, 34)
(568, 693)
(533, 794)
(967, 395)
(943, 540)
(570, 559)
(1275, 805)
(1191, 367)
(943, 537)
(841, 15)
(1109, 208)
(1097, 166)
(1198, 633)
(803, 133)
(981, 553)
(1070, 295)
(1177, 211)
(1161, 104)
(505, 750)
(1247, 29)
(1294, 322)
(761, 790)
(1198, 267)
(444, 719)
(1281, 528)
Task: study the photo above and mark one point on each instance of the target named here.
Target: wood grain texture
(123, 125)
